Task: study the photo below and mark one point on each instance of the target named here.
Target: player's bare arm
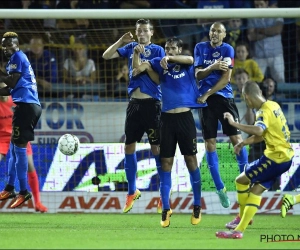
(219, 85)
(145, 66)
(248, 141)
(111, 51)
(136, 60)
(202, 73)
(182, 59)
(249, 129)
(11, 79)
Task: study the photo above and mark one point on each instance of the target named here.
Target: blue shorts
(265, 171)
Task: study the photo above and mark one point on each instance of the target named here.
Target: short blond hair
(10, 34)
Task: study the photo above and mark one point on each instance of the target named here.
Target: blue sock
(195, 178)
(213, 165)
(242, 159)
(21, 167)
(165, 189)
(130, 166)
(158, 164)
(11, 166)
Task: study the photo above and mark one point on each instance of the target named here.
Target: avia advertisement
(105, 161)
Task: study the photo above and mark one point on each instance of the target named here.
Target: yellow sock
(242, 196)
(251, 207)
(297, 198)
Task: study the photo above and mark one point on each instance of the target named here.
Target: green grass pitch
(139, 231)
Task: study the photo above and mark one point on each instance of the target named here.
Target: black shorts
(26, 116)
(178, 128)
(143, 115)
(214, 112)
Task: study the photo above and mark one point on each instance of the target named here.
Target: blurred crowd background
(66, 54)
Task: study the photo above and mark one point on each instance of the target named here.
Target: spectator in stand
(43, 63)
(188, 29)
(169, 27)
(242, 60)
(78, 69)
(99, 4)
(240, 4)
(206, 23)
(21, 24)
(131, 4)
(236, 33)
(297, 71)
(268, 49)
(269, 90)
(48, 24)
(247, 115)
(290, 34)
(81, 24)
(121, 80)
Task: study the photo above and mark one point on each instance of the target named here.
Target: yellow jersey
(276, 132)
(252, 68)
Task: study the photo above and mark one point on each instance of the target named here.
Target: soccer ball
(68, 144)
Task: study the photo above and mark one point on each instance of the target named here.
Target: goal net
(95, 109)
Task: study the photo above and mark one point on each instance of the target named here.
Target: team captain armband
(229, 61)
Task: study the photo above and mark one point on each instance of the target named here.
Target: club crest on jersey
(216, 54)
(176, 68)
(147, 52)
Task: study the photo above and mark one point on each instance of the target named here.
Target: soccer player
(271, 126)
(144, 108)
(179, 95)
(288, 201)
(214, 62)
(21, 85)
(6, 114)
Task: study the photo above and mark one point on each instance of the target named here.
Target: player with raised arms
(21, 85)
(214, 61)
(175, 73)
(144, 108)
(6, 115)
